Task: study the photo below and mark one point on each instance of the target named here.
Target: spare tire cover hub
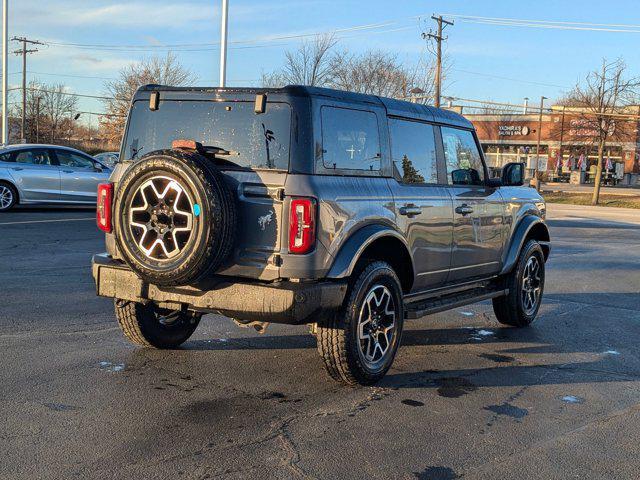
(161, 217)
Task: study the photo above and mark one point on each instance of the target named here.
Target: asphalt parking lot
(466, 397)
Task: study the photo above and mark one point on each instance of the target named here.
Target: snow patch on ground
(572, 399)
(479, 335)
(484, 333)
(112, 367)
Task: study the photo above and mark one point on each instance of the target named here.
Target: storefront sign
(582, 127)
(512, 130)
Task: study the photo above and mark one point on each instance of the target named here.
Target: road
(466, 397)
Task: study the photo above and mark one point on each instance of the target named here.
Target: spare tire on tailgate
(175, 218)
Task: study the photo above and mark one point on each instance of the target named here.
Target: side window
(350, 139)
(70, 159)
(6, 157)
(33, 157)
(413, 151)
(464, 163)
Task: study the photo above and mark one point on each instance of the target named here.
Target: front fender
(352, 249)
(519, 237)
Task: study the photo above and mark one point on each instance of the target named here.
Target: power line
(611, 25)
(31, 72)
(548, 24)
(510, 79)
(366, 29)
(271, 38)
(42, 90)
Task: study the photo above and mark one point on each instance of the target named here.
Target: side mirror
(513, 174)
(97, 167)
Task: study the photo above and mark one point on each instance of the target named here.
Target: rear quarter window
(350, 139)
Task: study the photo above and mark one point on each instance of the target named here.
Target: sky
(487, 61)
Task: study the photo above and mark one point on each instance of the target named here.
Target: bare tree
(164, 71)
(309, 64)
(33, 93)
(56, 105)
(599, 103)
(380, 73)
(375, 72)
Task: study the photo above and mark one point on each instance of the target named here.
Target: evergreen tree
(409, 172)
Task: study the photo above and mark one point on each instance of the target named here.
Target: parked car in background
(108, 158)
(32, 174)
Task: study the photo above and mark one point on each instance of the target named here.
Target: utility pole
(23, 51)
(536, 174)
(223, 43)
(438, 39)
(5, 70)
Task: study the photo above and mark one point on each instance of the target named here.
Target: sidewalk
(569, 188)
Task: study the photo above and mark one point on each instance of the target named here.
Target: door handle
(410, 210)
(67, 171)
(17, 169)
(464, 209)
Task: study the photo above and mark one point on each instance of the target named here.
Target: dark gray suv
(306, 205)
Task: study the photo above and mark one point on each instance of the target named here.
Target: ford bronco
(306, 205)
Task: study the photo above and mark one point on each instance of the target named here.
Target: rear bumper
(281, 302)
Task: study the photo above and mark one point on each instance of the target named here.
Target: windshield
(254, 141)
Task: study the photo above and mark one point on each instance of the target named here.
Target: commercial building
(567, 143)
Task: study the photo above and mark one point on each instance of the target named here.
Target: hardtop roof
(393, 107)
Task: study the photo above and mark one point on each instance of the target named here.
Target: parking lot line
(48, 221)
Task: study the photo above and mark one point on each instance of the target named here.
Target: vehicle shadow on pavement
(467, 380)
(592, 300)
(422, 337)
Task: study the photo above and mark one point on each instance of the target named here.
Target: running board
(453, 300)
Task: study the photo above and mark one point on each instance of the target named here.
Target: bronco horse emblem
(265, 220)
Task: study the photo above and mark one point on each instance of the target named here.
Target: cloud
(144, 14)
(77, 13)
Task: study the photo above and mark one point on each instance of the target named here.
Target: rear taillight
(302, 225)
(103, 211)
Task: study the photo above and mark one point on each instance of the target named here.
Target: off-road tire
(14, 196)
(141, 325)
(337, 336)
(214, 223)
(509, 309)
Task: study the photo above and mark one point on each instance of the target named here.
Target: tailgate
(259, 236)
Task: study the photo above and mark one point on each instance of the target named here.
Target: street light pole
(38, 99)
(5, 70)
(536, 174)
(223, 43)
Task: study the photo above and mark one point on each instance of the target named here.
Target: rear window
(255, 141)
(350, 139)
